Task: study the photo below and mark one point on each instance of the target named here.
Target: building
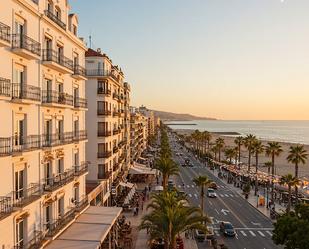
(138, 134)
(108, 126)
(151, 119)
(43, 134)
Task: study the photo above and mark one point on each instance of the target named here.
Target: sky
(226, 59)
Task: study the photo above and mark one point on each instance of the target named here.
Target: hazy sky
(229, 59)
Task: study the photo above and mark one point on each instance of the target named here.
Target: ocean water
(281, 131)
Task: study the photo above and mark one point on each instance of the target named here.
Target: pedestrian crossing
(194, 186)
(249, 233)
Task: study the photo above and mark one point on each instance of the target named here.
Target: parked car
(211, 193)
(213, 185)
(227, 229)
(200, 235)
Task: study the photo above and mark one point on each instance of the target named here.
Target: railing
(116, 131)
(116, 113)
(55, 19)
(81, 169)
(105, 175)
(79, 135)
(115, 149)
(54, 56)
(5, 206)
(5, 146)
(104, 133)
(116, 166)
(55, 182)
(97, 72)
(49, 140)
(5, 87)
(105, 154)
(80, 102)
(22, 198)
(115, 96)
(101, 90)
(23, 91)
(25, 42)
(121, 143)
(80, 205)
(103, 112)
(5, 32)
(56, 226)
(34, 243)
(25, 143)
(49, 96)
(79, 70)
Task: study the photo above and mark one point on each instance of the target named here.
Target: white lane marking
(243, 233)
(190, 195)
(210, 203)
(252, 233)
(221, 195)
(192, 186)
(188, 186)
(262, 234)
(195, 195)
(226, 195)
(269, 233)
(217, 211)
(179, 186)
(231, 195)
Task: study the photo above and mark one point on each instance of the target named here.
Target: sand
(282, 165)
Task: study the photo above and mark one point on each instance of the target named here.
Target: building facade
(108, 124)
(151, 119)
(42, 108)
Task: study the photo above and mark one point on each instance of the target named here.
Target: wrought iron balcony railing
(5, 87)
(27, 43)
(101, 90)
(25, 143)
(103, 112)
(5, 32)
(79, 135)
(55, 227)
(24, 197)
(79, 70)
(81, 169)
(104, 133)
(54, 56)
(55, 19)
(50, 140)
(104, 154)
(80, 102)
(5, 146)
(24, 91)
(6, 206)
(55, 97)
(55, 182)
(105, 175)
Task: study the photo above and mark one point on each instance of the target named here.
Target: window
(76, 194)
(59, 129)
(20, 233)
(19, 184)
(60, 166)
(19, 130)
(60, 207)
(102, 127)
(50, 6)
(58, 13)
(48, 216)
(74, 29)
(101, 171)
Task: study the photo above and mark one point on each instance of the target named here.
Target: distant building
(151, 119)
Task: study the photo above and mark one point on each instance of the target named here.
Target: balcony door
(19, 81)
(20, 233)
(60, 207)
(60, 166)
(47, 87)
(48, 216)
(76, 194)
(19, 184)
(59, 129)
(19, 130)
(48, 130)
(76, 158)
(48, 172)
(76, 127)
(60, 54)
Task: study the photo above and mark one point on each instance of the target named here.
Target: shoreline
(282, 165)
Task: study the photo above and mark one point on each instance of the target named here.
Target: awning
(126, 184)
(141, 169)
(89, 230)
(129, 196)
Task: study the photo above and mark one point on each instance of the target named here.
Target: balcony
(5, 35)
(102, 112)
(104, 133)
(104, 176)
(6, 206)
(115, 96)
(34, 243)
(26, 47)
(79, 72)
(57, 139)
(121, 143)
(116, 113)
(116, 166)
(116, 131)
(5, 87)
(79, 135)
(25, 93)
(55, 19)
(97, 73)
(5, 146)
(82, 204)
(115, 149)
(105, 154)
(25, 143)
(101, 90)
(56, 99)
(81, 169)
(56, 61)
(56, 182)
(24, 197)
(80, 103)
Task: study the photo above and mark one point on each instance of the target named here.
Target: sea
(281, 131)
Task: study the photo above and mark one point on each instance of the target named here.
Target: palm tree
(248, 142)
(167, 167)
(207, 138)
(239, 141)
(170, 217)
(273, 149)
(291, 181)
(202, 182)
(257, 149)
(220, 144)
(229, 154)
(215, 150)
(297, 155)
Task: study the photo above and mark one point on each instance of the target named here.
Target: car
(200, 235)
(227, 228)
(211, 193)
(213, 185)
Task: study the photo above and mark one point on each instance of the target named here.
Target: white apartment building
(108, 127)
(42, 110)
(151, 119)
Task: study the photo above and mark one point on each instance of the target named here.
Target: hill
(170, 116)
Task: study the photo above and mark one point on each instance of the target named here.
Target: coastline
(282, 165)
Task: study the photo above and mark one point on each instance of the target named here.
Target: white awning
(126, 184)
(141, 169)
(89, 230)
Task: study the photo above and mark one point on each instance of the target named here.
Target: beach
(282, 165)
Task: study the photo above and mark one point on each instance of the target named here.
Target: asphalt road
(253, 229)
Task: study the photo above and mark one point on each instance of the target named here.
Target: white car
(211, 193)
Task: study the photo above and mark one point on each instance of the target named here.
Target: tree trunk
(289, 200)
(219, 155)
(296, 188)
(164, 181)
(249, 160)
(239, 148)
(173, 243)
(202, 198)
(256, 171)
(272, 176)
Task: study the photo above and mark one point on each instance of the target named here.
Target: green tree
(248, 142)
(220, 145)
(239, 141)
(291, 181)
(273, 149)
(297, 155)
(167, 167)
(230, 154)
(202, 182)
(257, 149)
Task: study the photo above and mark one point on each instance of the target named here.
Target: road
(254, 230)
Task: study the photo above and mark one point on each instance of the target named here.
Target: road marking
(221, 195)
(179, 186)
(243, 233)
(226, 195)
(231, 195)
(225, 211)
(195, 195)
(192, 186)
(210, 203)
(190, 195)
(217, 211)
(188, 186)
(262, 234)
(252, 233)
(269, 233)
